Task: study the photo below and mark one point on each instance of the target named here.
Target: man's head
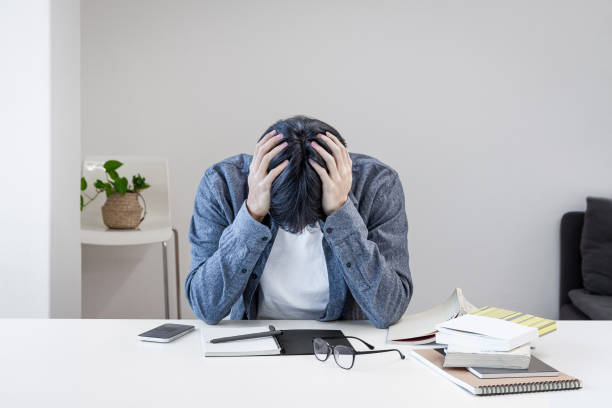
(295, 196)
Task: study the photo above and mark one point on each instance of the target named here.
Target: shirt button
(329, 230)
(243, 270)
(348, 264)
(264, 238)
(253, 276)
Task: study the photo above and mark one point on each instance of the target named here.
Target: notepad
(263, 346)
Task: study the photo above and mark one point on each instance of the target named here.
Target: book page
(487, 326)
(424, 323)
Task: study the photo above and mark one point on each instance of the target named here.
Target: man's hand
(260, 181)
(338, 179)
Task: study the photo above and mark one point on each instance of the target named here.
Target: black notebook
(299, 342)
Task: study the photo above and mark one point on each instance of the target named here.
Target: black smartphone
(166, 332)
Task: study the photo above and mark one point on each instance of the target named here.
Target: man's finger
(265, 160)
(336, 150)
(265, 148)
(275, 172)
(329, 159)
(266, 138)
(335, 139)
(342, 147)
(320, 171)
(263, 140)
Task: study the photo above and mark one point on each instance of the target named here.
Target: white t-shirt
(294, 283)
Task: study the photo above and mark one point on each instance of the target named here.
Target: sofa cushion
(597, 307)
(570, 312)
(596, 246)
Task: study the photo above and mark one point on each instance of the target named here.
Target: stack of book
(486, 351)
(490, 347)
(480, 341)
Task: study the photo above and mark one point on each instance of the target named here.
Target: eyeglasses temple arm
(381, 351)
(371, 347)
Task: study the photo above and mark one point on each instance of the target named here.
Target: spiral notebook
(492, 386)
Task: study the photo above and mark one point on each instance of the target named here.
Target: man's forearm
(380, 285)
(215, 283)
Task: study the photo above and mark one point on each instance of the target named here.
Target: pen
(247, 336)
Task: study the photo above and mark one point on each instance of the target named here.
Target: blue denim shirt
(365, 244)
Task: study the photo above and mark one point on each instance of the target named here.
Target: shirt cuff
(255, 234)
(344, 222)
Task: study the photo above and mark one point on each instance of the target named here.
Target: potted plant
(121, 209)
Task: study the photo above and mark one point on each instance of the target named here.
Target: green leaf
(81, 203)
(83, 184)
(112, 165)
(109, 189)
(99, 184)
(113, 174)
(139, 183)
(121, 185)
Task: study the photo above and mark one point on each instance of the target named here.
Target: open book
(420, 328)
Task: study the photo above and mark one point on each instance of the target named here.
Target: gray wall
(65, 254)
(495, 114)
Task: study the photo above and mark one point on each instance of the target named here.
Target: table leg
(177, 274)
(165, 262)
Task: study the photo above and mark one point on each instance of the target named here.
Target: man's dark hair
(295, 196)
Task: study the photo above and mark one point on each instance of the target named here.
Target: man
(302, 229)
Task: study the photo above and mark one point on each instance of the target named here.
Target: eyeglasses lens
(344, 356)
(321, 349)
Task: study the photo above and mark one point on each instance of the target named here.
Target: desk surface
(90, 363)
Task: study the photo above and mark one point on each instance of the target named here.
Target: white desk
(91, 363)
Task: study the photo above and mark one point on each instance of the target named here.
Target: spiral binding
(529, 387)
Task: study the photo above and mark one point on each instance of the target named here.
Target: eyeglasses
(343, 355)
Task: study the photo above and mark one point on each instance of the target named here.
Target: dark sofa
(576, 303)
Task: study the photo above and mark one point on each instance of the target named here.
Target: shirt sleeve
(223, 253)
(374, 257)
